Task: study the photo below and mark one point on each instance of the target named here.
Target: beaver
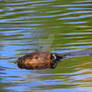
(43, 60)
(39, 60)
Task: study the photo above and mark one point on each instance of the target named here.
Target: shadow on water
(59, 26)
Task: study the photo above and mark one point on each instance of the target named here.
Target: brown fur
(35, 60)
(38, 60)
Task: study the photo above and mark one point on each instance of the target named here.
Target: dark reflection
(48, 25)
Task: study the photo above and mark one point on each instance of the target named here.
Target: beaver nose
(20, 62)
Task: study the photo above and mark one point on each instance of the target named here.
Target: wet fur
(38, 60)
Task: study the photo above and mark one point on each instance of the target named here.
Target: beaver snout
(20, 62)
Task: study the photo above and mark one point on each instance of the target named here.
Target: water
(59, 26)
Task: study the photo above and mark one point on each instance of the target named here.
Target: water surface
(58, 26)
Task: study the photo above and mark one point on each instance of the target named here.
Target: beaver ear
(53, 56)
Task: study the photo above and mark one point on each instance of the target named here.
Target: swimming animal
(44, 59)
(39, 60)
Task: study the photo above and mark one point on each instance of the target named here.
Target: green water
(58, 26)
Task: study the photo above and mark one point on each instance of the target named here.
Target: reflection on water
(50, 25)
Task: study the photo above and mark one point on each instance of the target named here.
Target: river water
(58, 26)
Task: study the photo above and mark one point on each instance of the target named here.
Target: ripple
(72, 5)
(59, 27)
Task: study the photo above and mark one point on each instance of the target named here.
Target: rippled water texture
(58, 26)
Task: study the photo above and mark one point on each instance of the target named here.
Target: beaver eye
(36, 57)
